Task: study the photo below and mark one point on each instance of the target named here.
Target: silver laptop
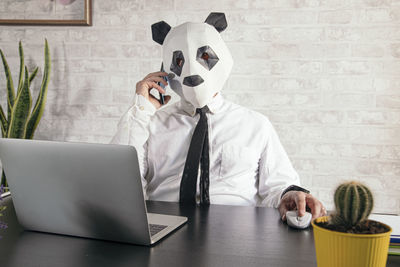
(80, 189)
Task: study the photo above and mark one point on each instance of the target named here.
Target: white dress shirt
(248, 165)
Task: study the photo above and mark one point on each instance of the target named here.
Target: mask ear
(217, 20)
(159, 30)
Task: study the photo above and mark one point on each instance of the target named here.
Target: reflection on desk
(214, 236)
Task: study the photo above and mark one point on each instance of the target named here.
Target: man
(241, 159)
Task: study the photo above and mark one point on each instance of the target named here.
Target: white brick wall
(326, 72)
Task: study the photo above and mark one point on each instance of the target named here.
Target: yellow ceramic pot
(337, 249)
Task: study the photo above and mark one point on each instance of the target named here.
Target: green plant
(354, 203)
(21, 121)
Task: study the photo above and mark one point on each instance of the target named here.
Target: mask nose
(192, 80)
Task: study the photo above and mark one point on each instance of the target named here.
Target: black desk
(214, 236)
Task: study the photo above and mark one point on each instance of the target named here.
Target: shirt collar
(214, 106)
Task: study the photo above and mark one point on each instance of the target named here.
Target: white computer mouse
(296, 221)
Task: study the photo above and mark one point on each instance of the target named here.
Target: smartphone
(162, 86)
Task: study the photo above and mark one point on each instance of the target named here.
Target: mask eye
(177, 62)
(207, 57)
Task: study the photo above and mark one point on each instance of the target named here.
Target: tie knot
(202, 110)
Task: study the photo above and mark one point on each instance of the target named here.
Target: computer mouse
(296, 221)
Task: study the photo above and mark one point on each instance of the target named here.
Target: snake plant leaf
(20, 111)
(21, 67)
(3, 122)
(10, 86)
(33, 75)
(41, 100)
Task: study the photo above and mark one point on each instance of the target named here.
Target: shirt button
(141, 108)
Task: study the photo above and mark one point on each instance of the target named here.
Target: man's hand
(149, 82)
(297, 200)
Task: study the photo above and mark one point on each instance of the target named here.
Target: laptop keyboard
(155, 228)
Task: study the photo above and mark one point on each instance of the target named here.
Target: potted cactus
(21, 121)
(347, 237)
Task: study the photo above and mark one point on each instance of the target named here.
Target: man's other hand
(149, 82)
(297, 200)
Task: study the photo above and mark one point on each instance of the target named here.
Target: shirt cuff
(144, 105)
(295, 188)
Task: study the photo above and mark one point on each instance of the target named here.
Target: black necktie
(198, 154)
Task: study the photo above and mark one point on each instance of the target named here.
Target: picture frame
(85, 17)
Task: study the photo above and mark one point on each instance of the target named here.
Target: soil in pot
(365, 227)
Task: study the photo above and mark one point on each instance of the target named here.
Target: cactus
(353, 203)
(20, 121)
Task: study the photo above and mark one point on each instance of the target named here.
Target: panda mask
(197, 56)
